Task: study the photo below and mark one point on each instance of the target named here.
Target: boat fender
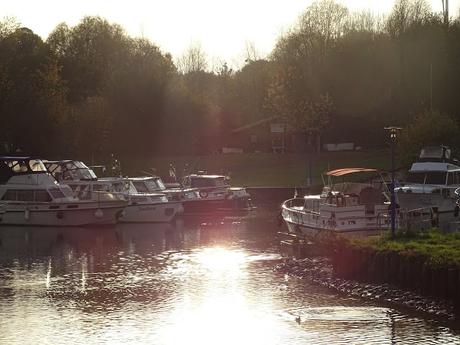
(203, 194)
(59, 215)
(99, 213)
(27, 214)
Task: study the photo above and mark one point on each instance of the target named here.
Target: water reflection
(183, 284)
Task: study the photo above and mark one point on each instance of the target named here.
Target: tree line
(91, 90)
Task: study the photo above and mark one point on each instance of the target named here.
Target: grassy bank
(437, 248)
(265, 169)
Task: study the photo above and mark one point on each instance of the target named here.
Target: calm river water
(184, 284)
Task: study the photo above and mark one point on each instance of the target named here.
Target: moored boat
(30, 195)
(347, 209)
(142, 206)
(217, 196)
(429, 190)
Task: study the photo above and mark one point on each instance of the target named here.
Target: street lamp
(393, 131)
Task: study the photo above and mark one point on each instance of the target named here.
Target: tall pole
(431, 86)
(393, 197)
(393, 131)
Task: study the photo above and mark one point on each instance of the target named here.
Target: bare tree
(250, 52)
(193, 60)
(406, 13)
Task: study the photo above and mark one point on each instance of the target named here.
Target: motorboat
(429, 190)
(30, 195)
(142, 206)
(154, 184)
(345, 208)
(217, 196)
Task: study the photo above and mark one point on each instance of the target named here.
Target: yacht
(30, 195)
(347, 208)
(217, 197)
(154, 184)
(430, 186)
(142, 206)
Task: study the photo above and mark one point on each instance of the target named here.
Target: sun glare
(224, 313)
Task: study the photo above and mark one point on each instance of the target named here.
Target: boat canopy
(70, 170)
(347, 171)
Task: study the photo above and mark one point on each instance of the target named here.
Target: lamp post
(393, 131)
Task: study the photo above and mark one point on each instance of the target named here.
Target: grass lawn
(265, 169)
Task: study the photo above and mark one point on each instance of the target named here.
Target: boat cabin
(206, 181)
(148, 184)
(26, 179)
(436, 154)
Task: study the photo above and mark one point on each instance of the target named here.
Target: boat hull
(425, 210)
(151, 212)
(63, 214)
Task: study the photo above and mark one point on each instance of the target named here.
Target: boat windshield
(430, 177)
(154, 185)
(22, 166)
(198, 182)
(140, 186)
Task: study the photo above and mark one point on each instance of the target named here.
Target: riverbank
(263, 169)
(424, 262)
(420, 271)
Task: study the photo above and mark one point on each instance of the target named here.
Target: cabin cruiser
(30, 195)
(347, 208)
(142, 206)
(430, 186)
(154, 184)
(217, 197)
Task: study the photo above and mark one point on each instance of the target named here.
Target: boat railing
(418, 218)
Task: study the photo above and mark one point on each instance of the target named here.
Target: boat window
(140, 187)
(25, 195)
(10, 195)
(416, 177)
(18, 166)
(56, 193)
(67, 191)
(42, 196)
(117, 187)
(36, 165)
(455, 179)
(435, 177)
(208, 182)
(158, 183)
(316, 205)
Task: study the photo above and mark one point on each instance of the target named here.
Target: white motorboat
(348, 209)
(429, 191)
(217, 197)
(145, 206)
(30, 195)
(154, 184)
(142, 206)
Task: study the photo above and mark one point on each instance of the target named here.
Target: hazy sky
(221, 27)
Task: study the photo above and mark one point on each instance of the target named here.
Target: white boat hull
(349, 221)
(151, 212)
(424, 206)
(62, 214)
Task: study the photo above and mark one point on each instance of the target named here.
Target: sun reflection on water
(223, 314)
